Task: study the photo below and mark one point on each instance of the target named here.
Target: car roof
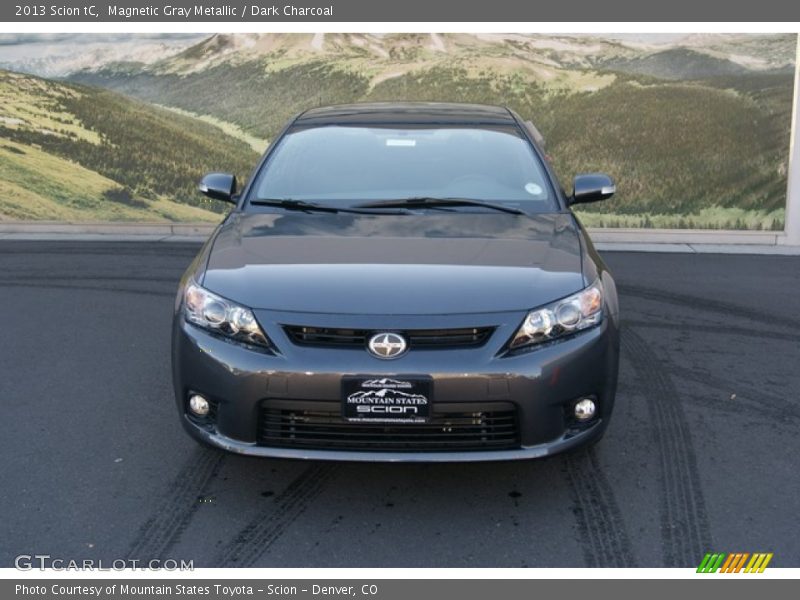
(417, 113)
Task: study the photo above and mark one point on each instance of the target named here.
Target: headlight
(577, 312)
(222, 317)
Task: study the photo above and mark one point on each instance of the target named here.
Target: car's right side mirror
(219, 186)
(592, 187)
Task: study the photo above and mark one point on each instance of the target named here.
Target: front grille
(417, 338)
(453, 427)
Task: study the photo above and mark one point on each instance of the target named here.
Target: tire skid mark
(255, 538)
(701, 303)
(685, 529)
(171, 517)
(602, 529)
(714, 329)
(761, 404)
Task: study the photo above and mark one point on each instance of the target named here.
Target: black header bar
(336, 11)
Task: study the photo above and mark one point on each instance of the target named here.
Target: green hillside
(257, 100)
(72, 152)
(36, 185)
(676, 64)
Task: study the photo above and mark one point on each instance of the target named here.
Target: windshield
(347, 165)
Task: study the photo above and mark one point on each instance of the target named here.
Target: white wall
(792, 236)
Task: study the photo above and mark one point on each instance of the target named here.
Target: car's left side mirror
(219, 186)
(592, 187)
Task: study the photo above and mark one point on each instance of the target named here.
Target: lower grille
(417, 338)
(453, 427)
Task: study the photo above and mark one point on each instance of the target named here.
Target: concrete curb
(607, 240)
(698, 248)
(116, 229)
(688, 236)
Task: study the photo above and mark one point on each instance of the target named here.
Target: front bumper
(540, 384)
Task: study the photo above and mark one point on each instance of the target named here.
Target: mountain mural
(695, 128)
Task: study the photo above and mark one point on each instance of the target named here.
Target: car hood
(395, 264)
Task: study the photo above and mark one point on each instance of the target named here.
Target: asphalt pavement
(701, 455)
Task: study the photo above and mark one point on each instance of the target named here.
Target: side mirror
(219, 186)
(592, 187)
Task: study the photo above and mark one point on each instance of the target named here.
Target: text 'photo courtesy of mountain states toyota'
(399, 282)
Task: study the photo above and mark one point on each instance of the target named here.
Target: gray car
(399, 282)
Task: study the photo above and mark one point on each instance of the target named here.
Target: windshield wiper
(430, 202)
(303, 206)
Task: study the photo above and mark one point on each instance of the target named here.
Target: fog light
(198, 405)
(584, 409)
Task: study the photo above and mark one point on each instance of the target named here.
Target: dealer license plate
(368, 399)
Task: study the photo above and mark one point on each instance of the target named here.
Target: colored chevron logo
(735, 563)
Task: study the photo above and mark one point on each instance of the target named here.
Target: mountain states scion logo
(386, 397)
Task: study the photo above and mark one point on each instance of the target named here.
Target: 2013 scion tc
(399, 282)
